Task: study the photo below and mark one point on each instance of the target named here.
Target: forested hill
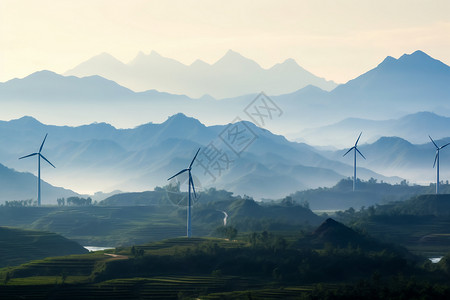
(18, 246)
(368, 193)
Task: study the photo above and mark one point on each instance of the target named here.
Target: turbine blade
(191, 182)
(42, 145)
(47, 160)
(348, 151)
(32, 154)
(360, 153)
(433, 142)
(182, 171)
(444, 146)
(435, 158)
(358, 139)
(194, 158)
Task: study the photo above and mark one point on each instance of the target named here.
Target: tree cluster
(19, 203)
(74, 201)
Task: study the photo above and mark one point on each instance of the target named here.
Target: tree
(228, 232)
(61, 201)
(287, 201)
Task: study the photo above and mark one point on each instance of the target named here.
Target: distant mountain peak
(231, 52)
(177, 116)
(27, 120)
(234, 59)
(179, 119)
(141, 54)
(288, 64)
(415, 54)
(390, 141)
(154, 53)
(104, 56)
(43, 73)
(138, 59)
(417, 61)
(99, 62)
(199, 63)
(388, 60)
(290, 61)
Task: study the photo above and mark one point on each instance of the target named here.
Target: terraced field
(70, 277)
(146, 288)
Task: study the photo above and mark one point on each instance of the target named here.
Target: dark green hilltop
(19, 245)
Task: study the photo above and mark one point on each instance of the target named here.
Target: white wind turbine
(436, 162)
(191, 184)
(354, 159)
(39, 155)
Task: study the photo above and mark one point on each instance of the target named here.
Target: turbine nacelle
(437, 150)
(355, 147)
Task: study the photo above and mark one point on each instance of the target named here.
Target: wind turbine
(436, 159)
(191, 183)
(39, 155)
(354, 160)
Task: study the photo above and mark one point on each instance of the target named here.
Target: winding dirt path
(116, 256)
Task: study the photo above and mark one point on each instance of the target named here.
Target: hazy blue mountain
(413, 127)
(47, 85)
(232, 75)
(51, 86)
(59, 99)
(396, 87)
(23, 186)
(97, 157)
(394, 155)
(409, 79)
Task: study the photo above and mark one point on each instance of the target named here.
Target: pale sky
(337, 40)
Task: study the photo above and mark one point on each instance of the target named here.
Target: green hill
(341, 196)
(420, 223)
(18, 246)
(423, 205)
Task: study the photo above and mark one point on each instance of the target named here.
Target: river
(96, 248)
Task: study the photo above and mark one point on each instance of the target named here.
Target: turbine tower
(354, 159)
(436, 160)
(39, 155)
(191, 183)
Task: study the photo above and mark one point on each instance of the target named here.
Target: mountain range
(394, 155)
(231, 76)
(382, 102)
(414, 128)
(100, 157)
(396, 87)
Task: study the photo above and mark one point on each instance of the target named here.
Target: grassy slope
(128, 225)
(18, 246)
